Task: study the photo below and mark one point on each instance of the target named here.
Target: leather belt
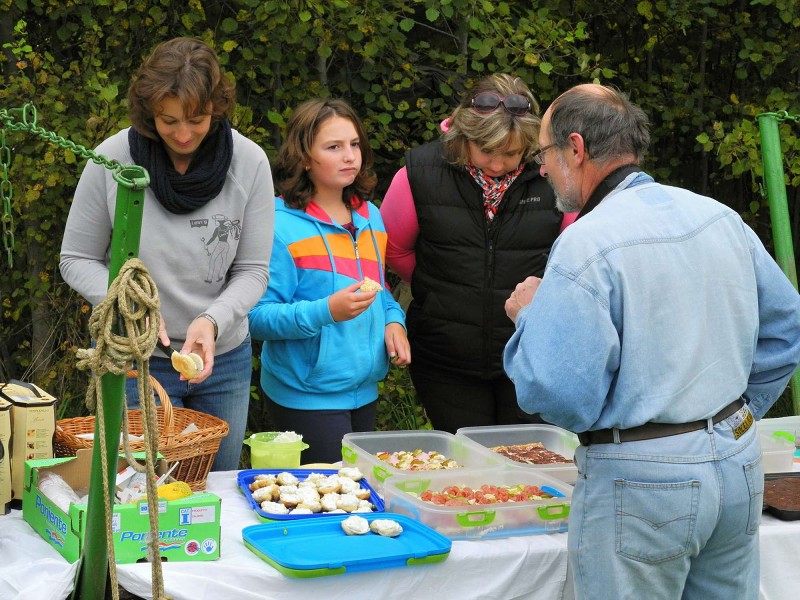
(650, 431)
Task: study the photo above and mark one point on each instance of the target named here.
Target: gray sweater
(214, 260)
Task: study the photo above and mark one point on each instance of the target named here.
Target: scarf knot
(494, 188)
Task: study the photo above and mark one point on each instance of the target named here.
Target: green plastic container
(265, 453)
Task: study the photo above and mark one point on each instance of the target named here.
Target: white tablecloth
(503, 569)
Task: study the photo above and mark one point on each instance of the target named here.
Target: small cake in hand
(355, 525)
(188, 365)
(370, 285)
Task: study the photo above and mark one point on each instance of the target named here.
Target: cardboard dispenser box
(189, 528)
(33, 423)
(5, 456)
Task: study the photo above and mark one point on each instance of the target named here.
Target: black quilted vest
(467, 268)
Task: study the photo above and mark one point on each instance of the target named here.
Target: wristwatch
(213, 322)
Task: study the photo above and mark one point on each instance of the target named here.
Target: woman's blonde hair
(183, 68)
(492, 132)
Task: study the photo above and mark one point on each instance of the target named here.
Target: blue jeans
(225, 394)
(668, 518)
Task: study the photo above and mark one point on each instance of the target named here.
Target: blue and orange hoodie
(309, 361)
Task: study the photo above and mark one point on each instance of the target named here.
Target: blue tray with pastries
(271, 512)
(318, 548)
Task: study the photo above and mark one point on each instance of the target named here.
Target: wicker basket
(195, 451)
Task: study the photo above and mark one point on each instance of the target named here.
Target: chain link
(785, 116)
(24, 119)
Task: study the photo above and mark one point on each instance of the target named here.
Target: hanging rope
(132, 303)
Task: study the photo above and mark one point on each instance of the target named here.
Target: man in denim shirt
(660, 330)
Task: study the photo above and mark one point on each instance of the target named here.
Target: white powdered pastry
(286, 478)
(351, 473)
(355, 525)
(276, 508)
(386, 527)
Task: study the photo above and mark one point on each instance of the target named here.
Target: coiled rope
(132, 304)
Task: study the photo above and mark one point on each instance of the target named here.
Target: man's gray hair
(610, 124)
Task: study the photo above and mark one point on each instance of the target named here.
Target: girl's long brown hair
(288, 171)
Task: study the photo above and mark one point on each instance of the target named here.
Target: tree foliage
(701, 69)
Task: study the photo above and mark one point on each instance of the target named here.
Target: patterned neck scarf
(493, 187)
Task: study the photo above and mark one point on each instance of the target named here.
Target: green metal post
(772, 157)
(92, 577)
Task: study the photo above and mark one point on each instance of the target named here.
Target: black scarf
(203, 181)
(605, 187)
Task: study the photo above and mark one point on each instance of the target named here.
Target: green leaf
(305, 16)
(432, 14)
(407, 24)
(275, 118)
(229, 25)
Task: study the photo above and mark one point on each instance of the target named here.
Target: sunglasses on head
(486, 102)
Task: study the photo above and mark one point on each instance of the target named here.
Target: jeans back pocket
(655, 521)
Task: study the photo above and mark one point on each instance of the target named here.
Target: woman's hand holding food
(200, 340)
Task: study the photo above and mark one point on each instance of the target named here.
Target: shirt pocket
(655, 521)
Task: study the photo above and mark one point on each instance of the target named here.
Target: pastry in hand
(370, 285)
(189, 365)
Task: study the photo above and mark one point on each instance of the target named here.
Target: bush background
(701, 69)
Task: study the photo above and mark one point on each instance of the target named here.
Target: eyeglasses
(538, 156)
(486, 102)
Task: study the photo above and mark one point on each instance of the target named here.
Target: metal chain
(24, 119)
(6, 193)
(785, 116)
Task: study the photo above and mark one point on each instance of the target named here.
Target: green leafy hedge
(702, 69)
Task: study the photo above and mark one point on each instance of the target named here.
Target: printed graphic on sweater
(217, 247)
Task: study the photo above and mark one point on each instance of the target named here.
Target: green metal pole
(772, 157)
(92, 577)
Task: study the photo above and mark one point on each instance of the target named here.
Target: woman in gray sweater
(206, 231)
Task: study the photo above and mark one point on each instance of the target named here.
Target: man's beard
(567, 204)
(567, 200)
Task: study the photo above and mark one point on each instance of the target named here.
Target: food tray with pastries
(782, 495)
(544, 447)
(382, 455)
(323, 547)
(300, 494)
(473, 504)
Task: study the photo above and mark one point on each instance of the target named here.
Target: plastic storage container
(360, 449)
(785, 427)
(482, 521)
(553, 438)
(246, 477)
(266, 453)
(777, 453)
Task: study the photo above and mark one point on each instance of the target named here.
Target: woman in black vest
(469, 217)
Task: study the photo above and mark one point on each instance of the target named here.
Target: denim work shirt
(659, 305)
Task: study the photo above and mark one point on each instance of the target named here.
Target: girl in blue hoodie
(326, 343)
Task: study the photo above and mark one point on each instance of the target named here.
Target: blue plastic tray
(245, 478)
(316, 548)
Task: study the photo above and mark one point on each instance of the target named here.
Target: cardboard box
(189, 528)
(5, 456)
(33, 423)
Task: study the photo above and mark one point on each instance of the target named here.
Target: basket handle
(169, 417)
